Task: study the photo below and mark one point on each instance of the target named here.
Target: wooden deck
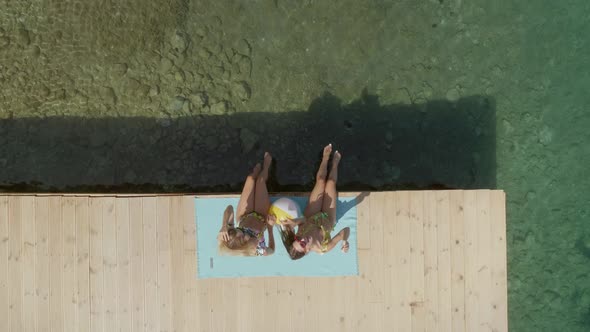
(429, 261)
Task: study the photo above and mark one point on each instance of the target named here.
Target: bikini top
(316, 220)
(261, 246)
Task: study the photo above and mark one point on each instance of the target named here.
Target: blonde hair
(230, 248)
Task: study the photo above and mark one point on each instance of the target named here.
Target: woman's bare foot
(327, 152)
(266, 166)
(336, 159)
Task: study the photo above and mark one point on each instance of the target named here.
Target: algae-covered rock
(242, 90)
(179, 42)
(22, 36)
(154, 91)
(176, 104)
(179, 75)
(108, 95)
(4, 42)
(204, 53)
(165, 65)
(198, 100)
(245, 65)
(219, 108)
(120, 69)
(243, 47)
(453, 94)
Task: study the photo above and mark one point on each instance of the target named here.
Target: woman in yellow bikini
(314, 229)
(247, 237)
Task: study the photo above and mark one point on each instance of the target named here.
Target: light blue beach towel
(209, 212)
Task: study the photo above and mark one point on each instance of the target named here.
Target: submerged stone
(219, 108)
(176, 104)
(179, 42)
(242, 90)
(22, 37)
(4, 42)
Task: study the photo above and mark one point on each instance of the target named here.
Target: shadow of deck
(439, 144)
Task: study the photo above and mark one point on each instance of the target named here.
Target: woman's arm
(271, 241)
(342, 235)
(226, 223)
(295, 222)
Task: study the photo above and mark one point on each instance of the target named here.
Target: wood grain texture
(429, 261)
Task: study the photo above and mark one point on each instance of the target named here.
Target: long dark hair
(288, 237)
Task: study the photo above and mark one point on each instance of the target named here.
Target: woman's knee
(320, 179)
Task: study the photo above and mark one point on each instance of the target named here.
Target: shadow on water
(438, 144)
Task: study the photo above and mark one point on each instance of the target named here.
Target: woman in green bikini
(247, 237)
(314, 229)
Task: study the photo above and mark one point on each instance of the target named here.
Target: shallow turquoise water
(153, 73)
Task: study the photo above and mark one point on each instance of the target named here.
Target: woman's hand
(226, 223)
(345, 234)
(271, 219)
(344, 246)
(223, 234)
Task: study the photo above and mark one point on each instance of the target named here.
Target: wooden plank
(297, 285)
(190, 266)
(390, 283)
(217, 311)
(4, 250)
(430, 262)
(164, 283)
(350, 298)
(499, 276)
(177, 258)
(137, 274)
(282, 314)
(55, 268)
(123, 264)
(109, 251)
(189, 225)
(366, 268)
(330, 300)
(83, 262)
(269, 297)
(417, 261)
(150, 263)
(374, 274)
(471, 261)
(484, 252)
(42, 263)
(96, 275)
(363, 210)
(230, 290)
(375, 317)
(456, 208)
(338, 305)
(444, 261)
(311, 310)
(361, 307)
(259, 287)
(69, 282)
(402, 262)
(29, 240)
(15, 268)
(205, 322)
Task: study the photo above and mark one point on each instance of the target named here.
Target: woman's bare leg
(331, 195)
(317, 194)
(262, 201)
(246, 203)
